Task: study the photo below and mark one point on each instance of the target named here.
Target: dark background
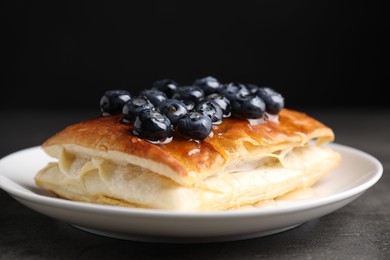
(59, 54)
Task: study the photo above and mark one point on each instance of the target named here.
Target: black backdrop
(59, 54)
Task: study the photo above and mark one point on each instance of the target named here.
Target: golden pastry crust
(232, 142)
(240, 163)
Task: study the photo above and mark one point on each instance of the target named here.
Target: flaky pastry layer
(83, 175)
(232, 143)
(240, 163)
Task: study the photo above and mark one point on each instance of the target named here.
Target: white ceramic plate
(358, 172)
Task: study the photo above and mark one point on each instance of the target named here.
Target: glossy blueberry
(167, 86)
(250, 107)
(222, 101)
(194, 125)
(234, 90)
(252, 88)
(154, 95)
(133, 107)
(273, 100)
(208, 84)
(190, 105)
(193, 93)
(173, 109)
(152, 125)
(211, 109)
(113, 100)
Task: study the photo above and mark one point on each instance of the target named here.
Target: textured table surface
(360, 230)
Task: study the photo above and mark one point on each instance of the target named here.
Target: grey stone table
(360, 230)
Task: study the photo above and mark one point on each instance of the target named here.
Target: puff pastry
(241, 163)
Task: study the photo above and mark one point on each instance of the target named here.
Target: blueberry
(113, 100)
(190, 105)
(211, 109)
(273, 100)
(154, 95)
(194, 125)
(152, 125)
(173, 109)
(252, 88)
(167, 86)
(250, 107)
(222, 101)
(133, 107)
(234, 90)
(208, 84)
(193, 93)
